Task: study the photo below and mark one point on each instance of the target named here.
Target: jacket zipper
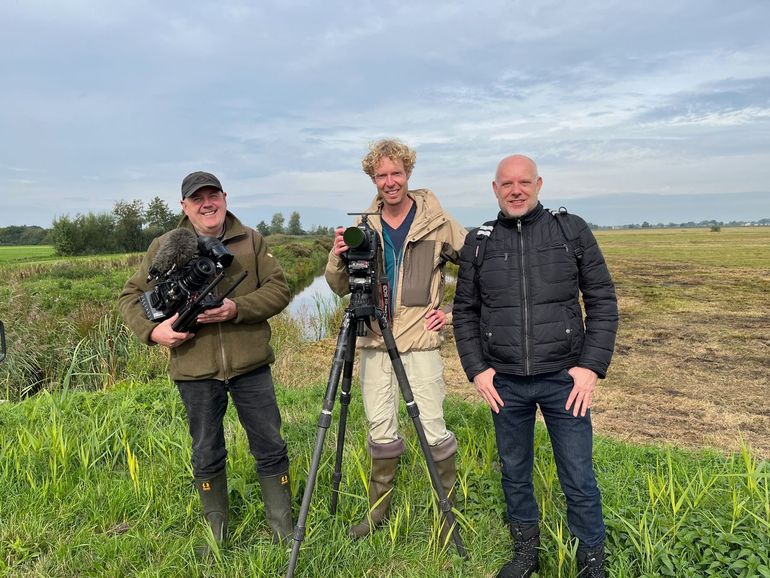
(222, 352)
(525, 297)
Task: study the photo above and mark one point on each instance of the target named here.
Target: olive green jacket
(221, 350)
(433, 239)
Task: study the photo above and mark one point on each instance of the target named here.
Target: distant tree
(646, 225)
(64, 236)
(263, 228)
(96, 233)
(84, 235)
(295, 227)
(276, 224)
(158, 215)
(716, 229)
(129, 217)
(321, 231)
(158, 219)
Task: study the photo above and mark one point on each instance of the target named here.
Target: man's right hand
(339, 243)
(486, 388)
(164, 335)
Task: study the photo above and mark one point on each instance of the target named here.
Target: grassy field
(21, 254)
(98, 482)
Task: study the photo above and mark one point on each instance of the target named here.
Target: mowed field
(692, 361)
(26, 253)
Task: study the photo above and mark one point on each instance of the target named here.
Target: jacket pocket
(556, 264)
(573, 330)
(420, 263)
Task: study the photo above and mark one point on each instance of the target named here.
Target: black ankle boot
(526, 541)
(590, 562)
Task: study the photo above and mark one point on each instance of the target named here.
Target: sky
(634, 111)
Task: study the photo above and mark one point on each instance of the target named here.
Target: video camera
(185, 271)
(363, 250)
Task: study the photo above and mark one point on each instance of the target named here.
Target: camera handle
(188, 317)
(342, 365)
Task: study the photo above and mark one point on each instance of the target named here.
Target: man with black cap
(230, 352)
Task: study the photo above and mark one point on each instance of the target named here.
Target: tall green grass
(99, 484)
(64, 330)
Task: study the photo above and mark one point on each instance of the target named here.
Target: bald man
(525, 342)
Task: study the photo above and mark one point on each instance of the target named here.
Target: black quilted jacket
(520, 313)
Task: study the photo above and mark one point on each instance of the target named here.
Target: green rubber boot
(276, 494)
(381, 484)
(213, 494)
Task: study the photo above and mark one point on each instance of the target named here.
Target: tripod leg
(347, 376)
(414, 413)
(324, 421)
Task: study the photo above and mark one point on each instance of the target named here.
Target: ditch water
(310, 306)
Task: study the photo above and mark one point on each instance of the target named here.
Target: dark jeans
(572, 441)
(254, 399)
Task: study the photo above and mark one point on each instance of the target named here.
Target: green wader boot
(447, 471)
(213, 494)
(380, 495)
(276, 494)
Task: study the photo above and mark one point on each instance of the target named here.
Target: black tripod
(358, 312)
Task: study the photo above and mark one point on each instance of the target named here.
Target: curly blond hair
(392, 149)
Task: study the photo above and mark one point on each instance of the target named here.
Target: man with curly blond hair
(418, 239)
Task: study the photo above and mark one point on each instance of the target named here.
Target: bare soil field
(692, 359)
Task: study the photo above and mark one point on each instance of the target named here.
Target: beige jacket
(433, 239)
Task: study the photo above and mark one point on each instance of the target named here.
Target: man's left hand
(583, 390)
(225, 312)
(435, 320)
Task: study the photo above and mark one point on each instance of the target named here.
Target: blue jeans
(572, 441)
(254, 398)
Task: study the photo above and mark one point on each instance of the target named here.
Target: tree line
(130, 227)
(294, 227)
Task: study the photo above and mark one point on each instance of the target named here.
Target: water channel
(309, 306)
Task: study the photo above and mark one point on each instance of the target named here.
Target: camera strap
(385, 296)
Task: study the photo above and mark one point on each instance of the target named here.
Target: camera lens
(197, 274)
(354, 237)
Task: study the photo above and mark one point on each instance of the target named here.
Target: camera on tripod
(361, 257)
(185, 271)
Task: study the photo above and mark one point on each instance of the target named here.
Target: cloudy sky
(649, 101)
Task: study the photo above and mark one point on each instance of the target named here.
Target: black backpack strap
(568, 230)
(482, 234)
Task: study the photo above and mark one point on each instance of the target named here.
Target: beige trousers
(381, 393)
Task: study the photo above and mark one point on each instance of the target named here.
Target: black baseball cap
(198, 180)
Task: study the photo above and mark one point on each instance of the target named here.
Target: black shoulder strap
(568, 230)
(482, 234)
